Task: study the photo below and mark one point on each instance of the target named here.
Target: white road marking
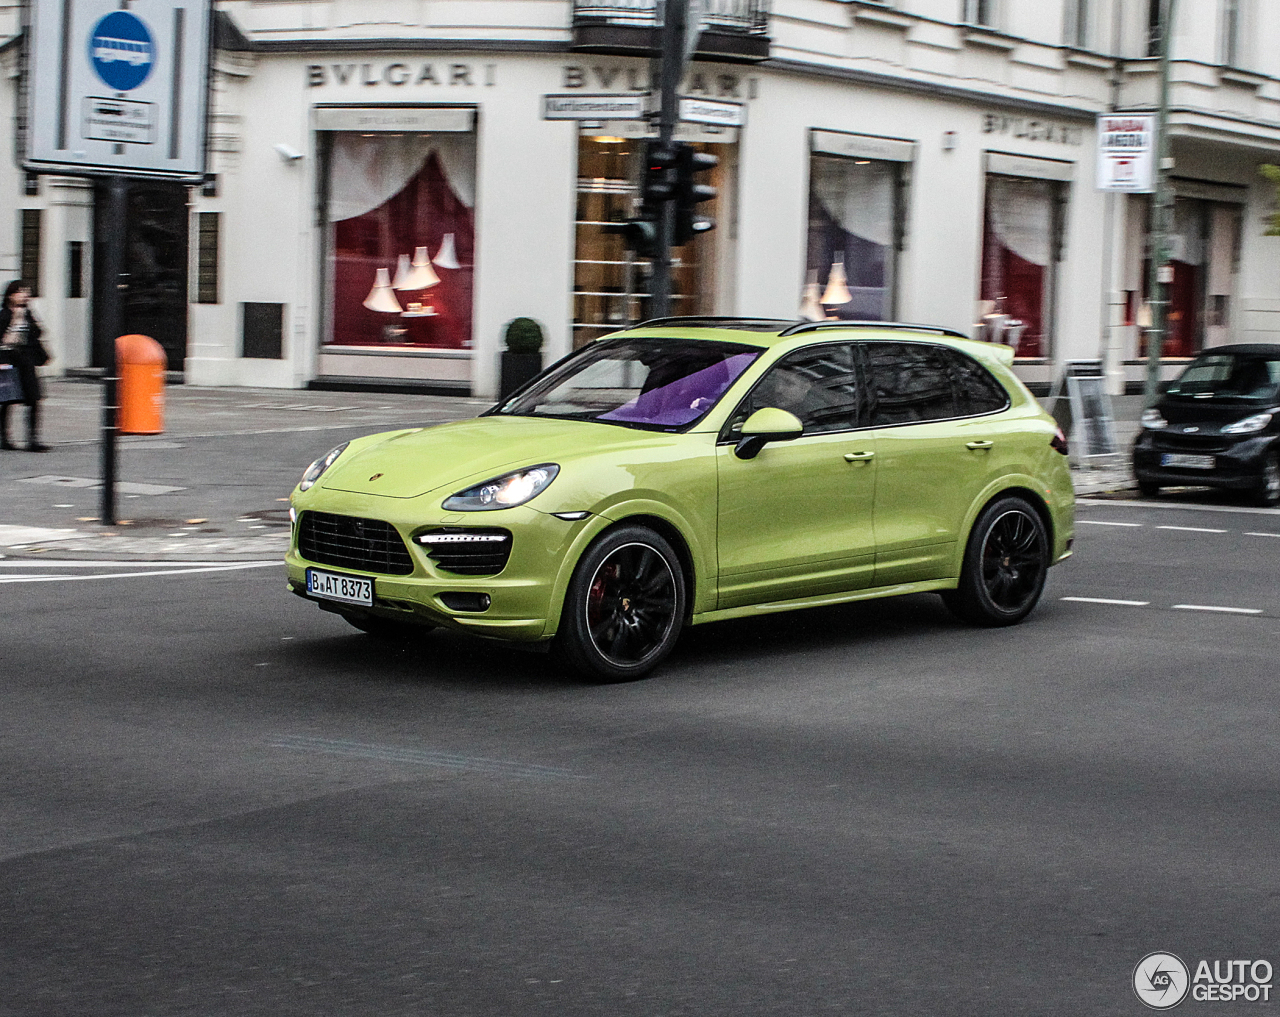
(1107, 600)
(1087, 502)
(1192, 529)
(1100, 522)
(1262, 534)
(134, 575)
(420, 757)
(1220, 610)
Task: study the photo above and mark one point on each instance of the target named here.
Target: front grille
(368, 545)
(473, 551)
(1174, 441)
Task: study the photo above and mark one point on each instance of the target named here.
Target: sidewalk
(215, 485)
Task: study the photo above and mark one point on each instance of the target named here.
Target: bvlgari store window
(1023, 223)
(399, 208)
(856, 196)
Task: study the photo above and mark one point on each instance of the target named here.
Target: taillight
(1059, 442)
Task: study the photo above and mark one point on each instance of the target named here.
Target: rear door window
(976, 391)
(909, 383)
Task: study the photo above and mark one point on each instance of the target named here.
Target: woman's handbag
(10, 384)
(37, 352)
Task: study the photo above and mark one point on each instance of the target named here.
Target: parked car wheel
(385, 629)
(1005, 563)
(1268, 490)
(624, 608)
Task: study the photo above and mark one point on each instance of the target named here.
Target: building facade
(392, 181)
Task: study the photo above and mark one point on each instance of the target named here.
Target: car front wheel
(624, 607)
(1268, 490)
(1005, 563)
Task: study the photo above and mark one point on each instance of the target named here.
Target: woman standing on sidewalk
(20, 346)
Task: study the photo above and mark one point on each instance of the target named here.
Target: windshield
(1229, 376)
(659, 384)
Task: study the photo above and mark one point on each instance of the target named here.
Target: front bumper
(523, 598)
(1237, 466)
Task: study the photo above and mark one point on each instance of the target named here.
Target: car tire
(385, 629)
(624, 608)
(1148, 488)
(1268, 490)
(1005, 564)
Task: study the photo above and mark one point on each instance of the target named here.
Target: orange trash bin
(141, 362)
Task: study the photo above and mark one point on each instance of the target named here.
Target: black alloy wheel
(624, 607)
(1005, 564)
(1268, 490)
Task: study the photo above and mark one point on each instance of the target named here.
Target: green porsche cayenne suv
(689, 470)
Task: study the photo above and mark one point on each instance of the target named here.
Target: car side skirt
(800, 603)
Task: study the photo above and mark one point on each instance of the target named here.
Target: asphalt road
(217, 799)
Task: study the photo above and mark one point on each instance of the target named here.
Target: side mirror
(766, 425)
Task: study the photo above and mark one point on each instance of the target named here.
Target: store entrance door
(155, 264)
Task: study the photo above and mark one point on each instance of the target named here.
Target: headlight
(1249, 425)
(507, 491)
(1153, 420)
(314, 471)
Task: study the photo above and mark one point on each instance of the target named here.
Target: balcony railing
(736, 30)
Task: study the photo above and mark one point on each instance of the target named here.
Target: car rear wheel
(624, 607)
(1005, 563)
(1268, 490)
(1148, 488)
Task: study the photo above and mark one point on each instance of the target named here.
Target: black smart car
(1217, 425)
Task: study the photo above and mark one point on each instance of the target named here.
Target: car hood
(1210, 413)
(408, 464)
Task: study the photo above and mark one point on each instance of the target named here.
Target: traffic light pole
(668, 66)
(1158, 275)
(112, 325)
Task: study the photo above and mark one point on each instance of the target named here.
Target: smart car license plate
(1187, 462)
(346, 589)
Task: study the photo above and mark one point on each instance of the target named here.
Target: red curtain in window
(421, 214)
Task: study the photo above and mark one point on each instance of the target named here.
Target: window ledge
(1238, 77)
(880, 14)
(1082, 59)
(989, 39)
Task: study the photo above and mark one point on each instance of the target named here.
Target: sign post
(116, 89)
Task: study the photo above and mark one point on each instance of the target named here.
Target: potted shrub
(522, 359)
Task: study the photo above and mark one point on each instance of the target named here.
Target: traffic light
(658, 186)
(689, 192)
(639, 235)
(660, 168)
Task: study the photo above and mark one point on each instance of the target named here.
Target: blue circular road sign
(122, 50)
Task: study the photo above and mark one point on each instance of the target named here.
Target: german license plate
(1187, 462)
(345, 589)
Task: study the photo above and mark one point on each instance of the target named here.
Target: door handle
(859, 457)
(974, 446)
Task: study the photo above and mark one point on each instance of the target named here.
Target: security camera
(287, 153)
